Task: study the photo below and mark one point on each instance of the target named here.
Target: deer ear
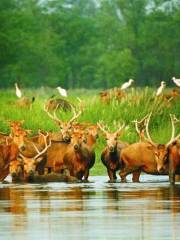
(120, 133)
(151, 147)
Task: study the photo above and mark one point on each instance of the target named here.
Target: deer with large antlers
(36, 163)
(147, 156)
(161, 150)
(110, 156)
(66, 127)
(173, 153)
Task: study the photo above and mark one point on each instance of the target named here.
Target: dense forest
(88, 43)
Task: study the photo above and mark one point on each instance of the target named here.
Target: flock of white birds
(63, 92)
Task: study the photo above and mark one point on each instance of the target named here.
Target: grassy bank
(136, 105)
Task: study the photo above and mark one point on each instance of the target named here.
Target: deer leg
(86, 174)
(79, 175)
(111, 175)
(125, 171)
(172, 176)
(66, 172)
(136, 175)
(114, 175)
(171, 172)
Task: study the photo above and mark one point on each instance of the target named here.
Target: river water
(95, 210)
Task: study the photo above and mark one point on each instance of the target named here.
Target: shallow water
(95, 210)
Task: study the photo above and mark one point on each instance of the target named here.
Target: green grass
(139, 102)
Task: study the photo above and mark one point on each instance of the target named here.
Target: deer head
(111, 138)
(30, 164)
(66, 127)
(161, 150)
(19, 136)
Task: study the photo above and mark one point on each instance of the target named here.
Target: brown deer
(66, 127)
(58, 103)
(173, 158)
(16, 170)
(36, 163)
(92, 134)
(111, 155)
(57, 151)
(147, 156)
(10, 149)
(79, 157)
(90, 130)
(14, 127)
(25, 102)
(37, 140)
(105, 97)
(8, 153)
(55, 156)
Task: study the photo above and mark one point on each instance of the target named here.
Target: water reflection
(97, 210)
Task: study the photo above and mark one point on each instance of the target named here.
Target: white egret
(62, 91)
(160, 89)
(176, 81)
(18, 91)
(127, 84)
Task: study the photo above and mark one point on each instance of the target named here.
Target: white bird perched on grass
(18, 91)
(127, 84)
(160, 89)
(176, 81)
(62, 91)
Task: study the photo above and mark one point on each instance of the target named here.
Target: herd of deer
(168, 98)
(70, 153)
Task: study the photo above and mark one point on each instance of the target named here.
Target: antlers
(53, 117)
(147, 128)
(141, 124)
(58, 121)
(102, 128)
(174, 121)
(39, 153)
(75, 116)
